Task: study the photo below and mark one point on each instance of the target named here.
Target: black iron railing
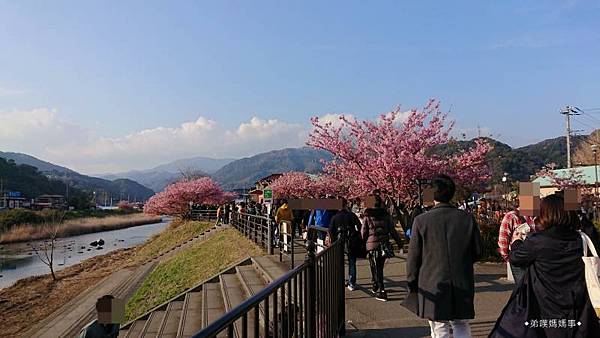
(203, 214)
(257, 228)
(290, 245)
(308, 301)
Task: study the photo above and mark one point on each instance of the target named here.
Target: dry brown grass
(32, 299)
(29, 232)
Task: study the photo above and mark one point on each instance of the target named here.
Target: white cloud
(334, 119)
(41, 132)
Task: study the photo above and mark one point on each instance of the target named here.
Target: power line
(591, 117)
(585, 123)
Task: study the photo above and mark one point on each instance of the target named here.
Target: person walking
(220, 213)
(588, 227)
(377, 228)
(444, 245)
(298, 216)
(348, 225)
(284, 213)
(226, 213)
(512, 223)
(553, 286)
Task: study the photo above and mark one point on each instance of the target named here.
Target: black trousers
(377, 261)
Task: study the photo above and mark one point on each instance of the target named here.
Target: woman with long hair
(377, 229)
(552, 299)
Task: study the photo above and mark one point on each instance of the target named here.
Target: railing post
(311, 311)
(292, 244)
(269, 237)
(341, 286)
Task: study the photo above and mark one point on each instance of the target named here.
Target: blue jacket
(320, 218)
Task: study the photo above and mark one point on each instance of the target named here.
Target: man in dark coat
(348, 225)
(443, 247)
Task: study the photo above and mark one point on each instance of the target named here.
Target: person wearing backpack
(347, 225)
(377, 228)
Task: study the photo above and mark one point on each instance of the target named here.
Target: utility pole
(568, 111)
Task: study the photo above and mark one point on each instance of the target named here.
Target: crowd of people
(543, 256)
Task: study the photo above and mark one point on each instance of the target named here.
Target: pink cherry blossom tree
(292, 185)
(391, 153)
(573, 178)
(302, 185)
(175, 200)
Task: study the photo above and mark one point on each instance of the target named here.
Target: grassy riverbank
(177, 232)
(32, 299)
(189, 267)
(74, 227)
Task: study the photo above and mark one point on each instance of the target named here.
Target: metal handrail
(314, 290)
(236, 313)
(255, 224)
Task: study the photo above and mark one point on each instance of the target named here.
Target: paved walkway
(368, 317)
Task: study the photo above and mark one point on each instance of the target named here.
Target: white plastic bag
(509, 274)
(592, 270)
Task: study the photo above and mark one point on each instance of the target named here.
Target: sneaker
(351, 287)
(381, 296)
(375, 289)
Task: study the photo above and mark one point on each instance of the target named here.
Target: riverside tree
(175, 200)
(392, 152)
(302, 185)
(45, 248)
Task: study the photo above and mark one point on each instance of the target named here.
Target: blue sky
(102, 79)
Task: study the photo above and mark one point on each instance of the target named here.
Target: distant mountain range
(244, 172)
(105, 189)
(159, 177)
(519, 163)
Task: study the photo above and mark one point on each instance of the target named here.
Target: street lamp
(504, 179)
(595, 151)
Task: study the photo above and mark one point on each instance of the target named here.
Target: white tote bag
(592, 270)
(509, 274)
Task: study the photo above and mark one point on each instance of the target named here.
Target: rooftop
(588, 173)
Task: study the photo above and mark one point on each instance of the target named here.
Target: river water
(19, 261)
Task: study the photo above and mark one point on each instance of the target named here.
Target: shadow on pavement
(493, 283)
(396, 332)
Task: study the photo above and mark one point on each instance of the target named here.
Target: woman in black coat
(552, 298)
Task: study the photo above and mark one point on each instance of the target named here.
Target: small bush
(489, 242)
(12, 217)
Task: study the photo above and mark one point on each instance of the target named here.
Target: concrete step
(213, 306)
(253, 283)
(269, 267)
(170, 324)
(191, 315)
(234, 295)
(135, 329)
(152, 324)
